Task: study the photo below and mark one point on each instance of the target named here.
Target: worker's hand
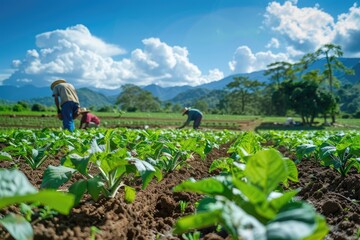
(59, 116)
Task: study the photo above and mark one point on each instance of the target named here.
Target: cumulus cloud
(347, 31)
(85, 60)
(274, 43)
(245, 61)
(301, 30)
(306, 29)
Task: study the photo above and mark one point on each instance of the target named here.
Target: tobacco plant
(103, 168)
(254, 206)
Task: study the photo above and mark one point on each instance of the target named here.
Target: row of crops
(250, 199)
(51, 121)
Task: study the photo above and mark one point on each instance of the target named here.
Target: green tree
(241, 90)
(202, 105)
(279, 71)
(332, 52)
(133, 98)
(37, 107)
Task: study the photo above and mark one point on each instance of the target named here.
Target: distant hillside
(87, 99)
(166, 93)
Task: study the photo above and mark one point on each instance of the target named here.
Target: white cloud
(245, 61)
(306, 29)
(274, 43)
(348, 31)
(303, 28)
(85, 60)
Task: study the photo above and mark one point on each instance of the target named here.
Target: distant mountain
(166, 93)
(87, 98)
(102, 97)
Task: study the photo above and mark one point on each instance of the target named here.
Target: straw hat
(84, 110)
(56, 83)
(185, 110)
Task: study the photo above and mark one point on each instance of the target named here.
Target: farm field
(157, 208)
(35, 120)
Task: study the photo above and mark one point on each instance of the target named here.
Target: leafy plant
(340, 157)
(16, 189)
(111, 165)
(254, 207)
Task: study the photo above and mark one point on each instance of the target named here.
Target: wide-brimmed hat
(185, 110)
(84, 110)
(56, 83)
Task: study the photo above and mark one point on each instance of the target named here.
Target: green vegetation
(250, 192)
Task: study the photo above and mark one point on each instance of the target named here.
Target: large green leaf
(210, 186)
(78, 188)
(59, 201)
(297, 220)
(18, 227)
(95, 186)
(292, 170)
(266, 169)
(55, 176)
(14, 183)
(77, 162)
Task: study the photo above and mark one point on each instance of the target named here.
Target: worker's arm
(57, 103)
(185, 123)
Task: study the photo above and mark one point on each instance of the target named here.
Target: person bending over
(193, 115)
(67, 103)
(88, 120)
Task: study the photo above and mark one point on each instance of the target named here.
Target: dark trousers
(197, 122)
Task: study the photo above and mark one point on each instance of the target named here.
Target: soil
(153, 213)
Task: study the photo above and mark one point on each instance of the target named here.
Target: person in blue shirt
(193, 115)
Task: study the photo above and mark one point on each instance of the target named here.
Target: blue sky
(109, 43)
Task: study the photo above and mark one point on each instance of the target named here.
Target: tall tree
(279, 71)
(332, 52)
(241, 89)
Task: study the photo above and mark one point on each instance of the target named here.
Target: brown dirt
(155, 210)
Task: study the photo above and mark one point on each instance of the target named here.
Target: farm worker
(88, 120)
(67, 103)
(193, 115)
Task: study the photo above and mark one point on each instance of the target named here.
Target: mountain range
(105, 97)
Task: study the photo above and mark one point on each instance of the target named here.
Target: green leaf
(253, 193)
(77, 162)
(55, 176)
(5, 156)
(266, 169)
(297, 220)
(197, 221)
(18, 227)
(14, 183)
(59, 201)
(130, 194)
(208, 186)
(304, 150)
(78, 189)
(292, 170)
(278, 202)
(95, 186)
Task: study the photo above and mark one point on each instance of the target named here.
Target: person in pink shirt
(88, 120)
